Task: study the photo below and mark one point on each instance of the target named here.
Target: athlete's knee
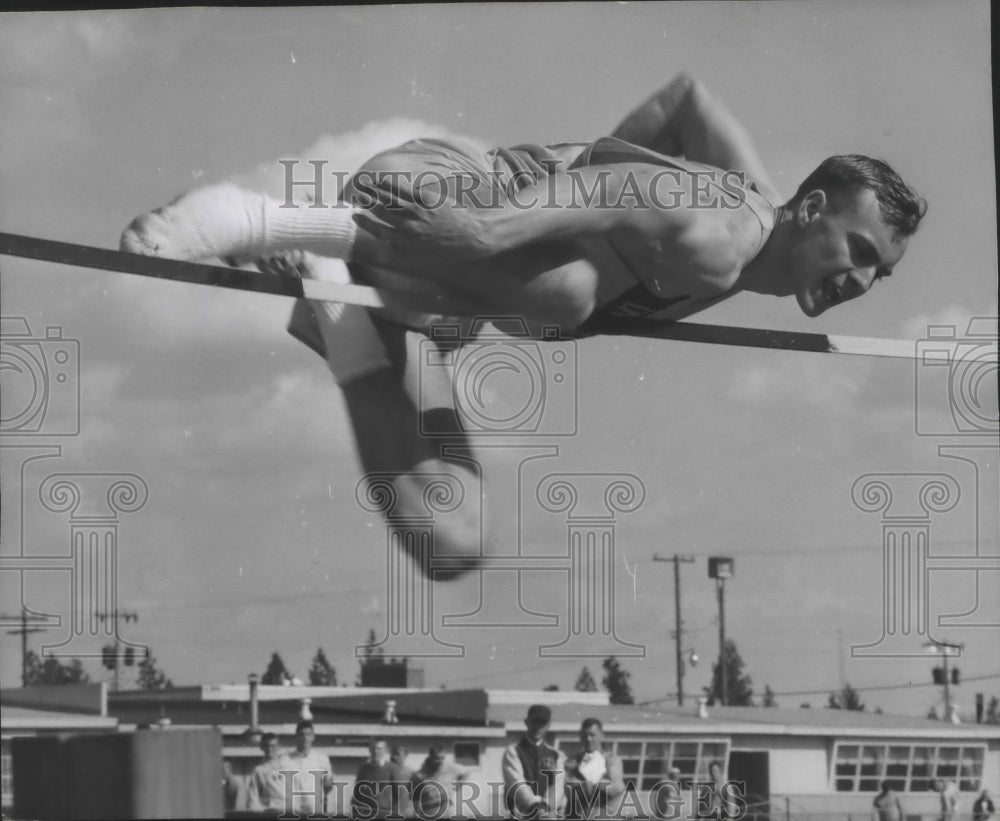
(565, 296)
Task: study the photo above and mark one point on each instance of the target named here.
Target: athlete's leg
(550, 283)
(392, 400)
(224, 220)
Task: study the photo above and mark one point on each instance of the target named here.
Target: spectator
(312, 774)
(711, 804)
(380, 789)
(398, 757)
(948, 799)
(267, 785)
(886, 806)
(433, 785)
(234, 788)
(982, 807)
(533, 775)
(666, 799)
(592, 775)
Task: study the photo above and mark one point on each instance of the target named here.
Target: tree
(847, 699)
(616, 681)
(276, 672)
(739, 687)
(932, 713)
(150, 676)
(769, 700)
(993, 711)
(585, 682)
(370, 650)
(321, 673)
(51, 671)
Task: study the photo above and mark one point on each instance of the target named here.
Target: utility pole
(23, 633)
(945, 648)
(113, 617)
(678, 622)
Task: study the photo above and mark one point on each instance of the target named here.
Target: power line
(909, 685)
(766, 551)
(23, 632)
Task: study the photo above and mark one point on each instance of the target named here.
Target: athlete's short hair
(902, 208)
(304, 725)
(591, 722)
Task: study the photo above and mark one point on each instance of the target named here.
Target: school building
(795, 764)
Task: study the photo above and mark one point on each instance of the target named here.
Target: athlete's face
(841, 247)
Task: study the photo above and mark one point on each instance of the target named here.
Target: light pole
(677, 619)
(721, 568)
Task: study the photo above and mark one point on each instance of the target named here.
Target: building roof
(360, 709)
(26, 719)
(748, 721)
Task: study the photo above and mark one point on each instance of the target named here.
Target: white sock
(224, 220)
(327, 231)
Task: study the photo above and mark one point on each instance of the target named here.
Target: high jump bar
(86, 256)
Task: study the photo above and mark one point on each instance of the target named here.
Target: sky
(250, 539)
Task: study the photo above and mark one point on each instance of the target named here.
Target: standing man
(398, 757)
(433, 785)
(381, 788)
(312, 775)
(666, 801)
(948, 796)
(267, 784)
(886, 806)
(982, 807)
(592, 775)
(533, 772)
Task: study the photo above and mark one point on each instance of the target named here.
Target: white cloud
(345, 152)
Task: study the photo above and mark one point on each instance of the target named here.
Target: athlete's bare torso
(629, 271)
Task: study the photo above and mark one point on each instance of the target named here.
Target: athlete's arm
(561, 207)
(685, 119)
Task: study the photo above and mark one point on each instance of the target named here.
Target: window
(907, 768)
(645, 763)
(7, 775)
(466, 753)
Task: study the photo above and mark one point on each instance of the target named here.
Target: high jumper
(670, 214)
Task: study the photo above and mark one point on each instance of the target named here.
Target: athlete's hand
(441, 233)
